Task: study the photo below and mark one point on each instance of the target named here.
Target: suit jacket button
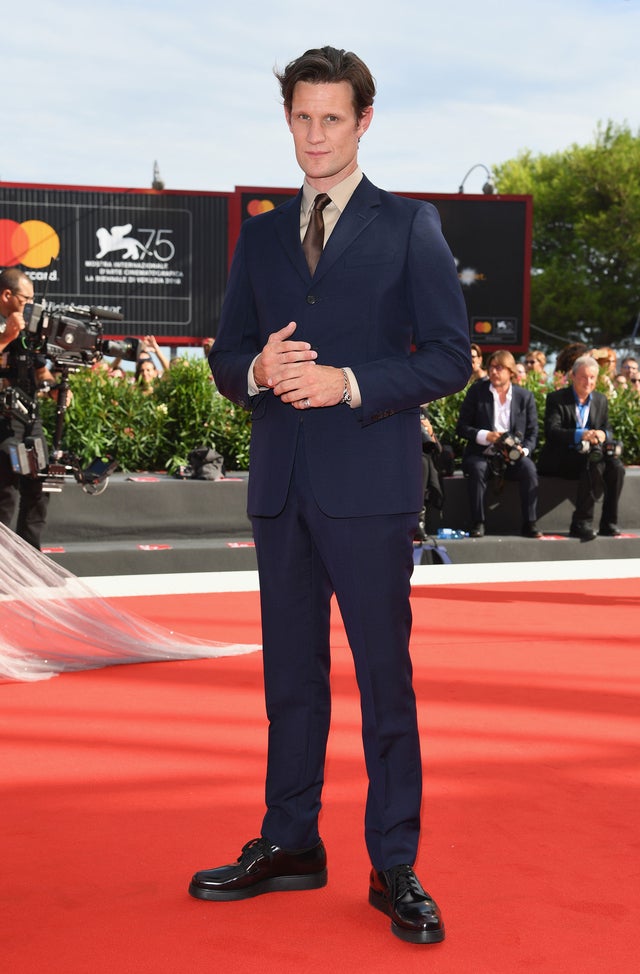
(311, 299)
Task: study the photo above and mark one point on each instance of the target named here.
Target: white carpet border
(186, 583)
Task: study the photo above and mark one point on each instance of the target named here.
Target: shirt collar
(340, 194)
(577, 398)
(495, 394)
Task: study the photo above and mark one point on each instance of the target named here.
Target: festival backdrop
(160, 257)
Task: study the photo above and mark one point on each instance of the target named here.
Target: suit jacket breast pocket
(367, 259)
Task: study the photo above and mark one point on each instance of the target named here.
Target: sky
(99, 92)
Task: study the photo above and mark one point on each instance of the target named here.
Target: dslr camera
(596, 452)
(430, 444)
(504, 452)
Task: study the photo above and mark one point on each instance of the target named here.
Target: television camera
(72, 338)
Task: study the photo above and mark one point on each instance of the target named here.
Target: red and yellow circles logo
(483, 327)
(254, 207)
(32, 243)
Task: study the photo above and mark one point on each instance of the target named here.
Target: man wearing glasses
(20, 435)
(489, 410)
(629, 369)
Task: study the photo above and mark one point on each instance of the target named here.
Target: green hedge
(113, 417)
(156, 432)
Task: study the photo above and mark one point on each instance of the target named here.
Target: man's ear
(365, 120)
(287, 115)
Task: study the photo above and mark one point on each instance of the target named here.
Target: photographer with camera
(580, 446)
(500, 421)
(22, 442)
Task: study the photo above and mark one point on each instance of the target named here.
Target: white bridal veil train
(52, 622)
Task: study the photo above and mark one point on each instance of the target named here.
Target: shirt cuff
(356, 398)
(252, 388)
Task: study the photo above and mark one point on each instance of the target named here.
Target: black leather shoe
(262, 867)
(531, 530)
(610, 531)
(477, 531)
(582, 530)
(415, 916)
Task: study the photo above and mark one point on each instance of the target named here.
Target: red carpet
(118, 783)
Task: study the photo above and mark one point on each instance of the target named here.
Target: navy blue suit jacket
(386, 301)
(476, 413)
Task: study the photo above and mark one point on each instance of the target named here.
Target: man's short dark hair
(11, 278)
(328, 65)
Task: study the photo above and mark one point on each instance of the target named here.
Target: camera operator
(25, 371)
(488, 412)
(580, 446)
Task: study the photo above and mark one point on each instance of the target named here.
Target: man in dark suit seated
(489, 410)
(580, 446)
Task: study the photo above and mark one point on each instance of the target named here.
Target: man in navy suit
(334, 362)
(489, 410)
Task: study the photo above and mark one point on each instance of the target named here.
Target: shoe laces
(255, 848)
(403, 881)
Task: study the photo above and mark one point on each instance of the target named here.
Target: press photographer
(500, 421)
(580, 445)
(22, 442)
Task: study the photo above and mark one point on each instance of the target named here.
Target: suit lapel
(513, 412)
(287, 227)
(361, 210)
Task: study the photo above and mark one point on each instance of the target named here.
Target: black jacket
(476, 413)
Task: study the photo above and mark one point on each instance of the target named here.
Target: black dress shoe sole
(277, 884)
(404, 933)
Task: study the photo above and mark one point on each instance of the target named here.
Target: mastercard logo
(254, 207)
(482, 327)
(32, 243)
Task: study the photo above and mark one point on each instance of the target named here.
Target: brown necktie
(314, 237)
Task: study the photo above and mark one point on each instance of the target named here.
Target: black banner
(490, 238)
(158, 258)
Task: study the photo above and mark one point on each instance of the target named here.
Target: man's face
(326, 131)
(499, 376)
(630, 369)
(12, 300)
(584, 380)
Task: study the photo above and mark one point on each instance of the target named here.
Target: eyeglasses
(530, 361)
(498, 368)
(25, 297)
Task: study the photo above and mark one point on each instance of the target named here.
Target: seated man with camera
(23, 449)
(580, 446)
(500, 421)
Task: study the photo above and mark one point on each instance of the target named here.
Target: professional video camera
(596, 452)
(72, 338)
